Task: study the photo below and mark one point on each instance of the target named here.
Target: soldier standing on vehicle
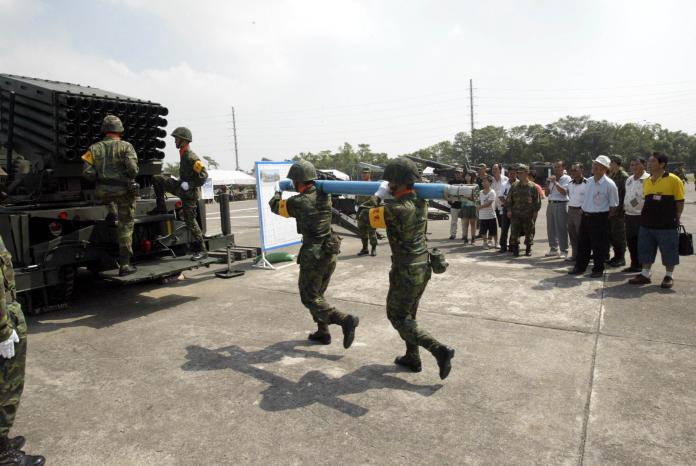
(617, 222)
(366, 231)
(113, 165)
(406, 221)
(192, 175)
(13, 355)
(320, 246)
(523, 204)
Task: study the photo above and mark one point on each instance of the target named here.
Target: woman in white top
(489, 227)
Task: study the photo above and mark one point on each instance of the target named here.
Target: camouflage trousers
(366, 231)
(316, 268)
(407, 283)
(189, 204)
(122, 205)
(617, 234)
(522, 226)
(12, 372)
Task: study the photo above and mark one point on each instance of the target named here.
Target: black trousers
(504, 229)
(593, 240)
(632, 229)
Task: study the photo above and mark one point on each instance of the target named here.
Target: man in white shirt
(576, 196)
(498, 185)
(633, 205)
(601, 201)
(557, 211)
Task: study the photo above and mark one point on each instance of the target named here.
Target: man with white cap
(601, 201)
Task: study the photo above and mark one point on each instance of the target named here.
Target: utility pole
(471, 109)
(234, 131)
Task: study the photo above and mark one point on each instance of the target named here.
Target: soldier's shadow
(313, 387)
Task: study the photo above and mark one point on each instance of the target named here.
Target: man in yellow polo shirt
(659, 220)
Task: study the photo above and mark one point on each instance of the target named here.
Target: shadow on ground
(313, 387)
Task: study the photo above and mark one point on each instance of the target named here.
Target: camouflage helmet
(401, 171)
(183, 133)
(302, 171)
(111, 124)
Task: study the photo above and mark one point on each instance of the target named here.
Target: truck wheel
(64, 290)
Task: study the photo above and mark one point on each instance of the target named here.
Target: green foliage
(171, 168)
(212, 163)
(571, 139)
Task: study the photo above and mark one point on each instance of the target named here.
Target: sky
(310, 75)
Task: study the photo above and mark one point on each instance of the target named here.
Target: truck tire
(62, 292)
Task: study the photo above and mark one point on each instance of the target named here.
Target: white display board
(207, 191)
(276, 231)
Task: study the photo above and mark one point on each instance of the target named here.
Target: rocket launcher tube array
(449, 192)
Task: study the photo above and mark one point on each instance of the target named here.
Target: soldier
(317, 258)
(192, 175)
(406, 221)
(366, 231)
(113, 165)
(13, 354)
(617, 222)
(502, 197)
(523, 203)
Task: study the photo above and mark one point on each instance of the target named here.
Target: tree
(171, 168)
(212, 163)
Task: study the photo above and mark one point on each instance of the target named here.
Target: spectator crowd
(611, 211)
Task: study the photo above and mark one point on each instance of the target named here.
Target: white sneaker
(563, 254)
(552, 253)
(570, 259)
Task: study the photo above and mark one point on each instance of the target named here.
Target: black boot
(444, 354)
(16, 443)
(11, 456)
(503, 248)
(373, 251)
(411, 359)
(364, 251)
(348, 323)
(515, 250)
(322, 334)
(528, 251)
(160, 208)
(199, 252)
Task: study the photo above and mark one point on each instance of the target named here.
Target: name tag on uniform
(657, 197)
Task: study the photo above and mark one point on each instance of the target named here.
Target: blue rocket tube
(368, 188)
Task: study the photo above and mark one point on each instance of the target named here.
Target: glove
(277, 187)
(383, 191)
(7, 347)
(184, 185)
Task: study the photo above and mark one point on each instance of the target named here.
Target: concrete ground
(549, 369)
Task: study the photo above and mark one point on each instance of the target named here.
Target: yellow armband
(198, 166)
(87, 157)
(377, 218)
(283, 209)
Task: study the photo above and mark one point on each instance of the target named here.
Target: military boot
(373, 252)
(348, 323)
(322, 334)
(411, 359)
(12, 456)
(528, 251)
(199, 252)
(125, 267)
(363, 251)
(160, 208)
(443, 355)
(515, 250)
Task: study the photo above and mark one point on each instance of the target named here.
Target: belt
(405, 260)
(574, 207)
(557, 202)
(595, 214)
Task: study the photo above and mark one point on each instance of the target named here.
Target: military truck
(50, 219)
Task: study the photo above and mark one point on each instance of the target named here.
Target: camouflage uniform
(113, 165)
(11, 370)
(617, 223)
(192, 171)
(406, 221)
(317, 258)
(366, 231)
(524, 202)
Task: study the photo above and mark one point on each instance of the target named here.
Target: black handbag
(686, 242)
